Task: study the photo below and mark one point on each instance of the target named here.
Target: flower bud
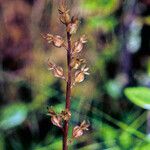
(62, 9)
(65, 18)
(64, 14)
(66, 115)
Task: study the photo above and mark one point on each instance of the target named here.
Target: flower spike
(76, 71)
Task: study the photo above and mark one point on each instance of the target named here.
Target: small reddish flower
(76, 62)
(55, 118)
(78, 45)
(57, 71)
(73, 25)
(80, 74)
(78, 130)
(56, 40)
(57, 121)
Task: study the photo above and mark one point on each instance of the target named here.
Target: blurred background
(118, 53)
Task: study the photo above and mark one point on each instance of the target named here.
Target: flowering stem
(68, 92)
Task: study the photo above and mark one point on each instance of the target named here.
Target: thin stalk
(68, 92)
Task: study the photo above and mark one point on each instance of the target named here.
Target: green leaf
(12, 115)
(142, 146)
(108, 134)
(139, 96)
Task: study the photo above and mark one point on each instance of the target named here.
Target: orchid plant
(76, 71)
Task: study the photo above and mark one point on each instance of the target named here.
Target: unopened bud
(65, 18)
(64, 14)
(66, 115)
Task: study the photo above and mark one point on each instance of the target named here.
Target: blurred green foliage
(103, 7)
(106, 24)
(13, 115)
